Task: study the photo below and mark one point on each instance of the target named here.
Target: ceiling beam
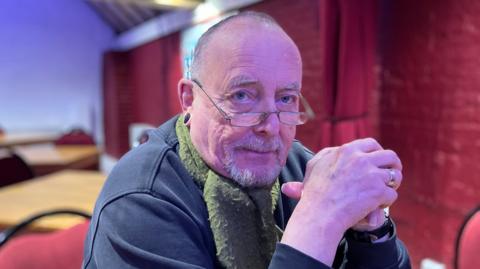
(158, 4)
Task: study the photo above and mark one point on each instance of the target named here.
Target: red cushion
(61, 249)
(75, 137)
(469, 247)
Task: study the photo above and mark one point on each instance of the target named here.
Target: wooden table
(49, 158)
(68, 189)
(11, 140)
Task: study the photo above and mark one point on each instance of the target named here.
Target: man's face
(246, 70)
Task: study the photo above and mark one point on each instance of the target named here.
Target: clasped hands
(358, 179)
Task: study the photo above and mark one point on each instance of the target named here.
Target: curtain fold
(348, 33)
(155, 71)
(140, 86)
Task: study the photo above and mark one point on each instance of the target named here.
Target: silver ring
(391, 180)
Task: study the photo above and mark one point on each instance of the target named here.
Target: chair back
(467, 247)
(13, 168)
(76, 136)
(60, 249)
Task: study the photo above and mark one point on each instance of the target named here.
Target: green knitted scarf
(241, 219)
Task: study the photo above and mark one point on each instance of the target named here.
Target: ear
(185, 94)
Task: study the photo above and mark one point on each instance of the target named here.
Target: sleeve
(390, 254)
(288, 257)
(351, 254)
(141, 231)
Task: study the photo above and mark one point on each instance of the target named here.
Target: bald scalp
(203, 44)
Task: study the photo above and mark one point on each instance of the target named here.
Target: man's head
(246, 63)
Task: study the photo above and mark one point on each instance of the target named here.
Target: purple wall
(50, 65)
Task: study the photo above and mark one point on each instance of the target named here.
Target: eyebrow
(294, 86)
(241, 81)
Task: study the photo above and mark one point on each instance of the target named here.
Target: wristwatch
(371, 236)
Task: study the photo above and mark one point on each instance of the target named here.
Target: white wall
(50, 65)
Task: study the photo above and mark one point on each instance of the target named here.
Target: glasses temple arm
(224, 114)
(308, 108)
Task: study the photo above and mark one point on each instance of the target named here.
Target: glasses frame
(263, 115)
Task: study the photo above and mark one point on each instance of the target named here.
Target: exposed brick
(429, 113)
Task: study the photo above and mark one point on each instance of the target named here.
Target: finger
(389, 197)
(394, 178)
(364, 145)
(293, 189)
(385, 159)
(376, 218)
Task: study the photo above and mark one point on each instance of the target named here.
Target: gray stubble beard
(248, 178)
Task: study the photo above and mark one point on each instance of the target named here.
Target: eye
(288, 99)
(239, 96)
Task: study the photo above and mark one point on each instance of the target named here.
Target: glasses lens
(251, 119)
(245, 119)
(292, 118)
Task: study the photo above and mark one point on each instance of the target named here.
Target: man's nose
(269, 126)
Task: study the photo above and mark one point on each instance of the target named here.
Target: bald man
(205, 190)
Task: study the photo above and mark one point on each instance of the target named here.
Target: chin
(253, 177)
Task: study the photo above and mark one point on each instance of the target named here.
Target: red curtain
(155, 71)
(348, 33)
(117, 96)
(140, 85)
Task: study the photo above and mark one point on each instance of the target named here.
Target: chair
(467, 247)
(14, 168)
(76, 136)
(59, 249)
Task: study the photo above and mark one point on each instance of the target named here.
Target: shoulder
(152, 174)
(148, 190)
(153, 167)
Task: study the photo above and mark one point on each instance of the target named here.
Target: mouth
(259, 149)
(255, 153)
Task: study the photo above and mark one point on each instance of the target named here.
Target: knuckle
(400, 164)
(371, 141)
(400, 175)
(391, 153)
(345, 149)
(394, 155)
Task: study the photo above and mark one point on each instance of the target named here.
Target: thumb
(293, 189)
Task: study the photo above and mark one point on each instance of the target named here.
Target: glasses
(249, 119)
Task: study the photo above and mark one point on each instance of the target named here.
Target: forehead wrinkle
(241, 80)
(293, 86)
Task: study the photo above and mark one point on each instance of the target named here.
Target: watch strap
(371, 236)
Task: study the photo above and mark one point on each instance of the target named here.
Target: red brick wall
(430, 114)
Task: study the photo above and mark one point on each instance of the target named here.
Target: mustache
(259, 144)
